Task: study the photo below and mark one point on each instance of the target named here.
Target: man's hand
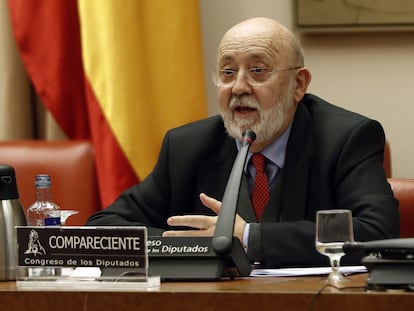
(205, 225)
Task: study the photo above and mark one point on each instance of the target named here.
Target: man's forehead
(248, 54)
(248, 34)
(257, 48)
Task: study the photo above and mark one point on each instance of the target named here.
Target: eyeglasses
(255, 76)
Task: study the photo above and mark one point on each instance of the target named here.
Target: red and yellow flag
(120, 73)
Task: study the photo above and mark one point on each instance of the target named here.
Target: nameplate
(180, 246)
(104, 247)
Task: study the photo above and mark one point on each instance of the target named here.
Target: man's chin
(236, 125)
(244, 123)
(236, 130)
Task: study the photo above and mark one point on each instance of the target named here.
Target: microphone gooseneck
(223, 234)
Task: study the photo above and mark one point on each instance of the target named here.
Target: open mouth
(244, 110)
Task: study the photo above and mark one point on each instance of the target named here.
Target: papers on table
(346, 270)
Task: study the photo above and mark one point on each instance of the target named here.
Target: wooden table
(255, 293)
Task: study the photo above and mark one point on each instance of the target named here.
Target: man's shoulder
(319, 107)
(210, 122)
(330, 122)
(200, 129)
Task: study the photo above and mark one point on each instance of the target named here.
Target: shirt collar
(275, 152)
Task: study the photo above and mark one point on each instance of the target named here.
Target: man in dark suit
(318, 156)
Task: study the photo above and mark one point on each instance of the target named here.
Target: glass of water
(333, 229)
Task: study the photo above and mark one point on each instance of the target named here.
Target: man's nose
(241, 85)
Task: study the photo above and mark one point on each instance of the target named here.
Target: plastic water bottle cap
(42, 181)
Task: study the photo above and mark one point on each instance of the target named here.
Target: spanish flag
(117, 72)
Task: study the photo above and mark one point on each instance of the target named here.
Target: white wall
(369, 73)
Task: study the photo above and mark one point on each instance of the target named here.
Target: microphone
(206, 258)
(223, 235)
(389, 262)
(387, 247)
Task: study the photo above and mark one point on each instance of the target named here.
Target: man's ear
(303, 79)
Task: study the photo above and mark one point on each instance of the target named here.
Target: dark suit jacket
(334, 159)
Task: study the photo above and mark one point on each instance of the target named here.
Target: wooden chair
(403, 189)
(71, 166)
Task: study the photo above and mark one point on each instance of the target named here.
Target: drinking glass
(333, 229)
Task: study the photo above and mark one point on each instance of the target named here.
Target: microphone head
(248, 137)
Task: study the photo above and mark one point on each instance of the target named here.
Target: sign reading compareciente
(104, 247)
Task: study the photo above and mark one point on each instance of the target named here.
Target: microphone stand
(206, 258)
(223, 235)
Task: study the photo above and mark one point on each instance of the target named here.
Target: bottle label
(52, 221)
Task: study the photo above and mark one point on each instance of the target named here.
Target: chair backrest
(403, 189)
(71, 166)
(387, 160)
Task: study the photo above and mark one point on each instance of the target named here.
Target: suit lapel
(299, 154)
(215, 168)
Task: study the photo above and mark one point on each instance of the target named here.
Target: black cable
(318, 294)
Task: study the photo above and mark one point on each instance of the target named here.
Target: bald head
(280, 41)
(258, 25)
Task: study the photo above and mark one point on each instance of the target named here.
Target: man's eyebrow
(226, 57)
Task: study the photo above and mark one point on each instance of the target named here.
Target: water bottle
(43, 212)
(11, 215)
